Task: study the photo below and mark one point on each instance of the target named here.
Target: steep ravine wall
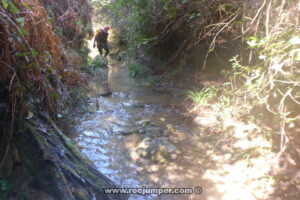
(39, 59)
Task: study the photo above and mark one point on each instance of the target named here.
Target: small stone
(142, 152)
(170, 128)
(173, 156)
(134, 155)
(129, 132)
(154, 131)
(167, 133)
(62, 153)
(143, 122)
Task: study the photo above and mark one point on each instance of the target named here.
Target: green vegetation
(4, 185)
(42, 48)
(271, 77)
(98, 62)
(203, 97)
(134, 69)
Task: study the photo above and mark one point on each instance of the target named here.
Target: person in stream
(101, 40)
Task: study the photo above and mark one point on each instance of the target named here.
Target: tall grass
(203, 96)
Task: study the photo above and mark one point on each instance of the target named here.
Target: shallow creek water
(139, 138)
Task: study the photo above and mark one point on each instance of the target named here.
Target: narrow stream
(139, 138)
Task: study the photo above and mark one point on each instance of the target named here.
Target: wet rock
(167, 133)
(134, 155)
(133, 104)
(170, 128)
(142, 152)
(129, 131)
(170, 148)
(62, 152)
(143, 122)
(158, 150)
(138, 105)
(106, 94)
(153, 131)
(109, 111)
(121, 95)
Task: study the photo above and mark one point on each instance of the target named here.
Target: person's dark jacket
(101, 37)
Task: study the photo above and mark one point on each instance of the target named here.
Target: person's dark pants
(103, 46)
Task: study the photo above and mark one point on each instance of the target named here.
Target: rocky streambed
(137, 137)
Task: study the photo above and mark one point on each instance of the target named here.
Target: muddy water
(140, 138)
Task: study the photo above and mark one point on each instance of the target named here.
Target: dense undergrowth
(169, 29)
(35, 67)
(264, 79)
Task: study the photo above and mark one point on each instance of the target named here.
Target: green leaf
(27, 66)
(4, 186)
(54, 95)
(87, 29)
(21, 20)
(25, 4)
(29, 115)
(21, 54)
(4, 4)
(34, 52)
(23, 31)
(13, 8)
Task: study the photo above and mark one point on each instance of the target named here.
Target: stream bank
(49, 166)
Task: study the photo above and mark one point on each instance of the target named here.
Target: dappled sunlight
(243, 157)
(239, 180)
(162, 119)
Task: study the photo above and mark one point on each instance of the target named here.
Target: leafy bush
(264, 79)
(134, 69)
